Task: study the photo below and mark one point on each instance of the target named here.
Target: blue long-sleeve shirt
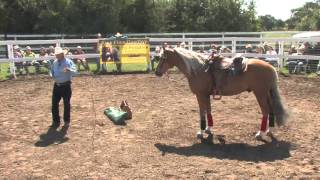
(58, 73)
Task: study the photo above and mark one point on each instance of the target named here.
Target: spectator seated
(297, 66)
(271, 60)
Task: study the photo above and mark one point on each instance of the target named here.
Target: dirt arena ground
(160, 141)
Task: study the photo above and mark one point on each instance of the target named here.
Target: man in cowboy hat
(62, 71)
(81, 60)
(119, 36)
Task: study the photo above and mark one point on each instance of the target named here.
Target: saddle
(226, 67)
(235, 66)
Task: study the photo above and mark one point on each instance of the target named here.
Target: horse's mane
(194, 61)
(191, 55)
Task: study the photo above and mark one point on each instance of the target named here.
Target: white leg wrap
(260, 135)
(208, 130)
(200, 134)
(269, 132)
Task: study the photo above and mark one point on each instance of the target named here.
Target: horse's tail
(278, 109)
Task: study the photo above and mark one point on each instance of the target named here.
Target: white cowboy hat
(248, 46)
(118, 35)
(58, 50)
(16, 47)
(78, 47)
(28, 48)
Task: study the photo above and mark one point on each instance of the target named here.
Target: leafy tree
(3, 18)
(111, 16)
(137, 16)
(229, 15)
(158, 16)
(53, 17)
(177, 16)
(267, 22)
(249, 20)
(19, 16)
(305, 18)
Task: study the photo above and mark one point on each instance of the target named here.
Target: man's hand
(66, 69)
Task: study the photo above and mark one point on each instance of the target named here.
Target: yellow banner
(125, 51)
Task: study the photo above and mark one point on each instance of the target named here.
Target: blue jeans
(65, 92)
(104, 67)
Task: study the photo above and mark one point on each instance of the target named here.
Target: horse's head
(165, 62)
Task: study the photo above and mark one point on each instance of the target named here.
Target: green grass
(4, 69)
(124, 67)
(284, 71)
(278, 35)
(312, 75)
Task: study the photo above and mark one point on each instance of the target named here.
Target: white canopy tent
(310, 34)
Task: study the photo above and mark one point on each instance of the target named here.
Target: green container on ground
(116, 115)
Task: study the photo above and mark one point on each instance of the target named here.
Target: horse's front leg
(204, 108)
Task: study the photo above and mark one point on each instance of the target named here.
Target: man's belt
(63, 83)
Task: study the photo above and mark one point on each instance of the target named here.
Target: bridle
(163, 58)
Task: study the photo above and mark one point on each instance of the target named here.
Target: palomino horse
(260, 77)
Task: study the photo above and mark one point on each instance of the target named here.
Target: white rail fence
(236, 44)
(148, 35)
(16, 37)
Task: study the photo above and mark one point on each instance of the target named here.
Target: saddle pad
(116, 115)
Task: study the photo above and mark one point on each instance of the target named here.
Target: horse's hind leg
(271, 119)
(262, 99)
(271, 125)
(209, 117)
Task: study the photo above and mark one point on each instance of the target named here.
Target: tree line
(143, 16)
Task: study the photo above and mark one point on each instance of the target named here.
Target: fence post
(234, 47)
(223, 38)
(11, 62)
(58, 44)
(183, 37)
(191, 45)
(281, 52)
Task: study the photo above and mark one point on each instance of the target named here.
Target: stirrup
(215, 95)
(218, 97)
